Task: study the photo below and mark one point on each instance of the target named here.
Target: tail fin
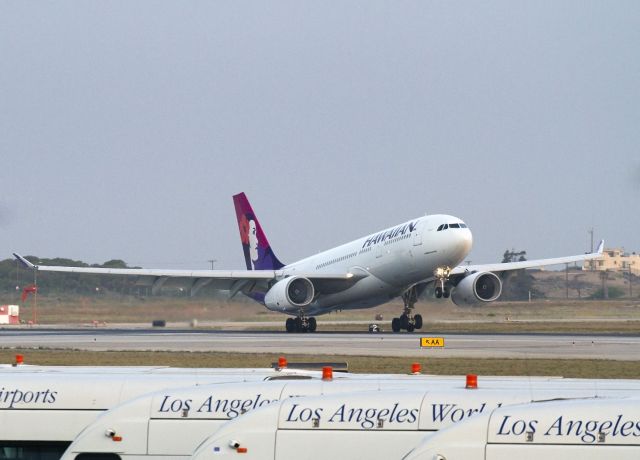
(257, 251)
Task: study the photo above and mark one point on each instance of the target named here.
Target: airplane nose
(463, 243)
(467, 240)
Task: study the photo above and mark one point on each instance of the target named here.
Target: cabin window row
(339, 259)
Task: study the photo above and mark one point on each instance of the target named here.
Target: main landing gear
(301, 324)
(408, 321)
(442, 282)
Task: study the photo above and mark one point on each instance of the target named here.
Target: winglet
(600, 247)
(25, 262)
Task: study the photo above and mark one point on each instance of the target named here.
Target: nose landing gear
(408, 321)
(443, 291)
(442, 282)
(301, 323)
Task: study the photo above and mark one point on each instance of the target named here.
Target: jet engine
(477, 287)
(290, 294)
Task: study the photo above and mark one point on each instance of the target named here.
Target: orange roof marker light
(472, 382)
(19, 360)
(415, 368)
(327, 373)
(282, 362)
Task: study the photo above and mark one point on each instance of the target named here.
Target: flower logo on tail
(244, 229)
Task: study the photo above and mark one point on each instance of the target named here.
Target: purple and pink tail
(257, 251)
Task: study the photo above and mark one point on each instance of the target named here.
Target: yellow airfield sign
(431, 342)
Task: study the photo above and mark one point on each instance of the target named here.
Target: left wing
(193, 280)
(503, 267)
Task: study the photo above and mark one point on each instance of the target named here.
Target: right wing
(508, 266)
(193, 280)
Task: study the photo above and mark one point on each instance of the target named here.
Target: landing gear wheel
(298, 324)
(417, 319)
(290, 325)
(312, 324)
(404, 321)
(441, 275)
(408, 321)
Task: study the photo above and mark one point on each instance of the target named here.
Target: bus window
(32, 450)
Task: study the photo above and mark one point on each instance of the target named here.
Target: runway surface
(548, 346)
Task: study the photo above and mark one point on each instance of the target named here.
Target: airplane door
(417, 235)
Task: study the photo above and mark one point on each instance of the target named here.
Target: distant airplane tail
(257, 251)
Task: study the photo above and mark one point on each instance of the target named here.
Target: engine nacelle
(290, 294)
(477, 287)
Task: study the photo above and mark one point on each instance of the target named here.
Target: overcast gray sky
(126, 127)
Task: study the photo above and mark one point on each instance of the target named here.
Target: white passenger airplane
(401, 261)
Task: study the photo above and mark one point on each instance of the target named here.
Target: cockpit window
(448, 226)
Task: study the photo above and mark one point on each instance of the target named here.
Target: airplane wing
(193, 280)
(503, 267)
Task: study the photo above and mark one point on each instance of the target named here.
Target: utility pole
(35, 297)
(605, 287)
(212, 262)
(591, 232)
(17, 281)
(566, 279)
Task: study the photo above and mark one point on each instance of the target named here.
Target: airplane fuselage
(394, 259)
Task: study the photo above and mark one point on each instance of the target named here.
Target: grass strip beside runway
(581, 368)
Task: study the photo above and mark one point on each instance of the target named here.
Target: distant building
(9, 314)
(615, 260)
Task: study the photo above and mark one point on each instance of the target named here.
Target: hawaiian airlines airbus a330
(401, 261)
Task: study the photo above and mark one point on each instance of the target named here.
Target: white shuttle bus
(42, 412)
(383, 426)
(175, 421)
(574, 429)
(384, 418)
(43, 408)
